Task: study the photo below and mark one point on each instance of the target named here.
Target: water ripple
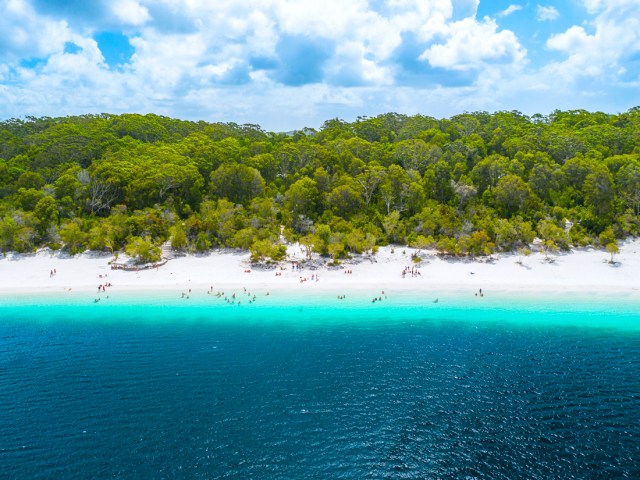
(415, 400)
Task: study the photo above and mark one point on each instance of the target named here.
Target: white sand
(578, 271)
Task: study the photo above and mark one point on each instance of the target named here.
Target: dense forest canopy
(468, 185)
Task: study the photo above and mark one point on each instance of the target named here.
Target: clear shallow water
(351, 391)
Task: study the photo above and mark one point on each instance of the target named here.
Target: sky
(290, 64)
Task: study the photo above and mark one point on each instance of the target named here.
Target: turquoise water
(168, 387)
(592, 310)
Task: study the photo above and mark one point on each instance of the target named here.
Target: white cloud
(218, 60)
(162, 61)
(509, 10)
(130, 12)
(327, 19)
(593, 6)
(25, 34)
(573, 40)
(544, 14)
(603, 53)
(351, 65)
(471, 44)
(465, 8)
(187, 51)
(596, 6)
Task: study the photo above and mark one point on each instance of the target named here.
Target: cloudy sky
(289, 64)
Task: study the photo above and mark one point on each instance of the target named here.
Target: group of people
(53, 272)
(379, 298)
(413, 271)
(232, 299)
(314, 277)
(101, 288)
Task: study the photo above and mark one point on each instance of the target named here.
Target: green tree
(301, 198)
(401, 190)
(464, 189)
(27, 198)
(107, 235)
(266, 164)
(335, 249)
(369, 181)
(203, 243)
(487, 172)
(30, 180)
(628, 183)
(416, 154)
(74, 237)
(147, 128)
(178, 237)
(8, 231)
(322, 239)
(513, 233)
(262, 250)
(477, 243)
(608, 239)
(46, 212)
(437, 182)
(543, 182)
(391, 225)
(237, 183)
(599, 192)
(553, 237)
(143, 251)
(345, 200)
(512, 195)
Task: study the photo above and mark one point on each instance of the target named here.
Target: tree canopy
(468, 185)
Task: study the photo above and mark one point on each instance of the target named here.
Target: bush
(178, 238)
(265, 250)
(143, 251)
(202, 242)
(75, 240)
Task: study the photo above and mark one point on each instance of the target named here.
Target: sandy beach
(581, 271)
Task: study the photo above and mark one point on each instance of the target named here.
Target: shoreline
(600, 312)
(582, 273)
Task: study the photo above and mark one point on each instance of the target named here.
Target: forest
(472, 184)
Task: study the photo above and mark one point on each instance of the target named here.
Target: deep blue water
(391, 396)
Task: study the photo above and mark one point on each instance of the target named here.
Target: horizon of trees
(473, 184)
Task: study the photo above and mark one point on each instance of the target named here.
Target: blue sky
(289, 64)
